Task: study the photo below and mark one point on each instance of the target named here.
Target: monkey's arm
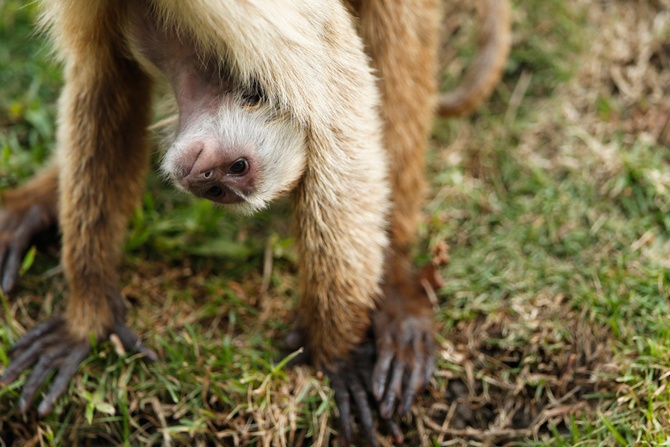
(26, 212)
(102, 156)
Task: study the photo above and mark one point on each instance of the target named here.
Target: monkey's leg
(104, 110)
(26, 212)
(402, 37)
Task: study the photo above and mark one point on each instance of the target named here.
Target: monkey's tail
(486, 70)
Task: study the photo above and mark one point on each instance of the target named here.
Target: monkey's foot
(48, 347)
(403, 332)
(351, 380)
(18, 227)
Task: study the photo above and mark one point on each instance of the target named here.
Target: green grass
(553, 200)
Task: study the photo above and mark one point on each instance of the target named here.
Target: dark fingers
(364, 410)
(3, 255)
(49, 360)
(413, 378)
(27, 358)
(68, 368)
(394, 429)
(380, 373)
(414, 383)
(13, 263)
(392, 390)
(131, 342)
(33, 334)
(342, 399)
(14, 251)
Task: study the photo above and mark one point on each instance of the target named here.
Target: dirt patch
(517, 376)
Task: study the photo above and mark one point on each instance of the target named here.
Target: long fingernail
(386, 410)
(149, 354)
(402, 411)
(44, 409)
(378, 391)
(7, 285)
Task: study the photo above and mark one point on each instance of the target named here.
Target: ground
(551, 205)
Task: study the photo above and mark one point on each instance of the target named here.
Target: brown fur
(41, 190)
(103, 159)
(404, 53)
(486, 70)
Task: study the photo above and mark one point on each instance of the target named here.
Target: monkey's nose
(204, 161)
(206, 171)
(200, 161)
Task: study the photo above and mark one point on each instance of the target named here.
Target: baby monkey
(273, 96)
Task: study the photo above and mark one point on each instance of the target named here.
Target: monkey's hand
(18, 227)
(49, 347)
(351, 380)
(403, 331)
(383, 370)
(401, 358)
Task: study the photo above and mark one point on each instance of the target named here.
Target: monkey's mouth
(217, 193)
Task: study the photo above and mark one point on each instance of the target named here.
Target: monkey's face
(237, 154)
(230, 146)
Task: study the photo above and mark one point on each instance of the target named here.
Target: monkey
(300, 71)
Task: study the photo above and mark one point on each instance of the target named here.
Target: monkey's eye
(239, 166)
(251, 101)
(253, 98)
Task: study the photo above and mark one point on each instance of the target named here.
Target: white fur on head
(276, 144)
